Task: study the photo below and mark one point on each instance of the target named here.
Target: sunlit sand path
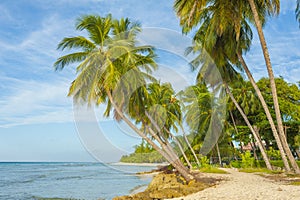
(239, 185)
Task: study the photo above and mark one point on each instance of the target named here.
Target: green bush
(235, 164)
(273, 154)
(260, 163)
(247, 160)
(204, 161)
(213, 170)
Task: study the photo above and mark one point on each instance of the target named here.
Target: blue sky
(36, 116)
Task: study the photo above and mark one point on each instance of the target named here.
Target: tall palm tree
(105, 57)
(238, 39)
(197, 111)
(221, 33)
(272, 7)
(163, 114)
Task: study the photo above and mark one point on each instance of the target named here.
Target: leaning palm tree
(238, 39)
(165, 113)
(197, 106)
(107, 57)
(272, 7)
(220, 34)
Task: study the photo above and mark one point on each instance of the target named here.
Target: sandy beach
(238, 185)
(140, 164)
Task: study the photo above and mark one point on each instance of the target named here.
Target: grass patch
(259, 170)
(297, 183)
(293, 175)
(213, 170)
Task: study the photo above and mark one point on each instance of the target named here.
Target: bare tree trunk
(164, 151)
(175, 161)
(164, 143)
(267, 111)
(219, 155)
(253, 149)
(235, 128)
(273, 86)
(298, 152)
(181, 150)
(256, 137)
(190, 146)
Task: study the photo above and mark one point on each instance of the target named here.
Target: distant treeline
(143, 153)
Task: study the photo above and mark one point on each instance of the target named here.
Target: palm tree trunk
(181, 150)
(273, 86)
(175, 161)
(256, 137)
(235, 128)
(190, 146)
(164, 151)
(183, 153)
(252, 144)
(219, 155)
(167, 147)
(298, 152)
(164, 144)
(267, 111)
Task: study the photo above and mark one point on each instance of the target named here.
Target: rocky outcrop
(167, 186)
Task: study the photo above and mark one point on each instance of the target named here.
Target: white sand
(140, 164)
(246, 186)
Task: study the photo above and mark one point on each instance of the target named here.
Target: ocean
(88, 181)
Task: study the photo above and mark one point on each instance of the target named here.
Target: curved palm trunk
(183, 153)
(190, 146)
(181, 149)
(175, 161)
(165, 144)
(164, 151)
(236, 130)
(256, 137)
(273, 87)
(267, 111)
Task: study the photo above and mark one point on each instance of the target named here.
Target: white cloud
(35, 99)
(283, 43)
(35, 102)
(38, 49)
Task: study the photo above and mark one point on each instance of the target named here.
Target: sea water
(87, 181)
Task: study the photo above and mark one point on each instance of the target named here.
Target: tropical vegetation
(215, 115)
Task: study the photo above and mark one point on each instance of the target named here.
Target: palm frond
(69, 59)
(76, 42)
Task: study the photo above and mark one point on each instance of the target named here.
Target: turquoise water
(87, 181)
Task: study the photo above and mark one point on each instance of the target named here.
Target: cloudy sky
(38, 121)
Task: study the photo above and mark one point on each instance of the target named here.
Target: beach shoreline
(240, 185)
(140, 164)
(234, 185)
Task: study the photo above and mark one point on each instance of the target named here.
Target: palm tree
(254, 133)
(272, 7)
(163, 114)
(238, 40)
(197, 108)
(106, 58)
(246, 102)
(219, 34)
